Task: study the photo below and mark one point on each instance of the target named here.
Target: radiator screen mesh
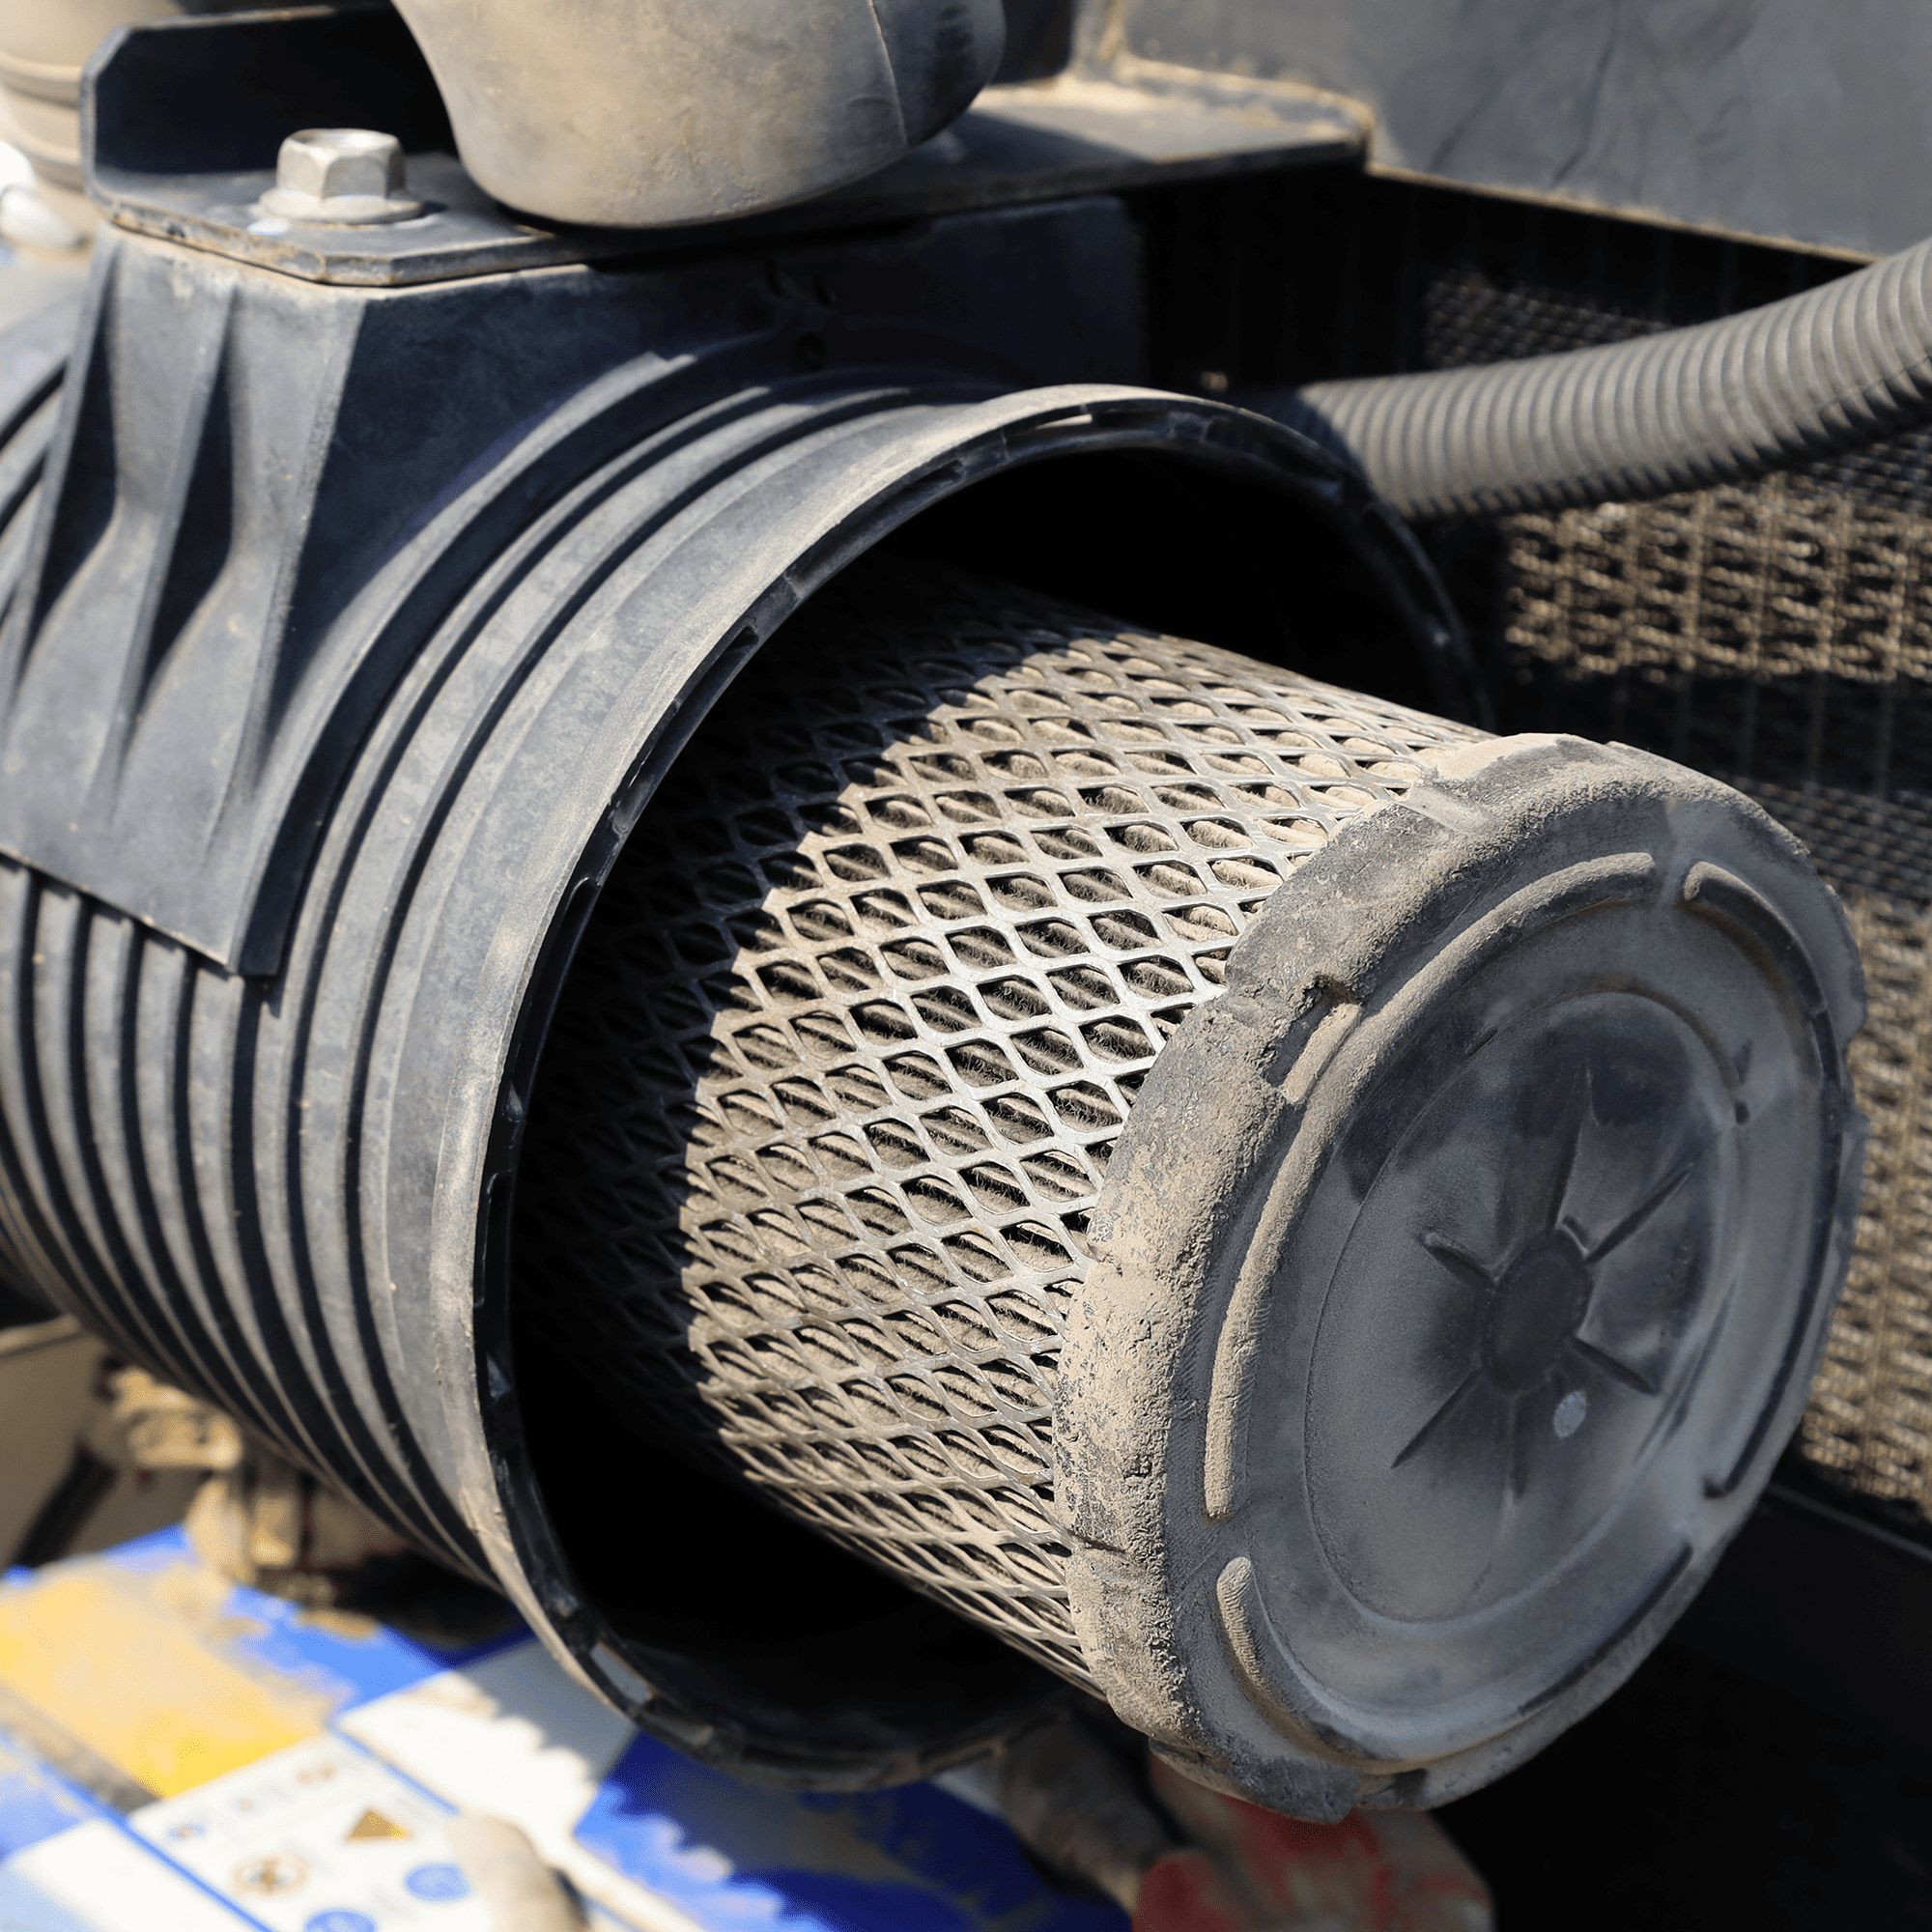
(1778, 635)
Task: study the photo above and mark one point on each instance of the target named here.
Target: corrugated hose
(1833, 368)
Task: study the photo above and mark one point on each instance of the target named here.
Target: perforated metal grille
(862, 1011)
(1779, 635)
(1776, 634)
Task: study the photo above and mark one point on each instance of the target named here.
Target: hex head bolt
(340, 176)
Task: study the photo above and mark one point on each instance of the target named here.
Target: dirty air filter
(1304, 1218)
(873, 995)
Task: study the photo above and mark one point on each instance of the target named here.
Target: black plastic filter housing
(319, 750)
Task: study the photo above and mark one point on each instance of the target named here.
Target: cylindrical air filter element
(1304, 1218)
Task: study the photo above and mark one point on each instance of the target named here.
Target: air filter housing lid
(1458, 1274)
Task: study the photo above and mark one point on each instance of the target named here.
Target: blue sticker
(913, 1859)
(33, 1804)
(438, 1881)
(340, 1921)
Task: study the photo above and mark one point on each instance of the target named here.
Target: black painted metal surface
(1764, 117)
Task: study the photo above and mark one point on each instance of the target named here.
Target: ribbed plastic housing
(870, 993)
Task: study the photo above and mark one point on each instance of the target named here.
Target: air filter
(1304, 1218)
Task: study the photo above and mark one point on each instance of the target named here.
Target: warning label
(320, 1837)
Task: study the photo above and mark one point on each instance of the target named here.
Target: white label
(517, 1737)
(319, 1838)
(93, 1877)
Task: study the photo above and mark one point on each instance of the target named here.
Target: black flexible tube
(1837, 366)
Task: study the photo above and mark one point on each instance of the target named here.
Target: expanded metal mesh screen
(859, 1018)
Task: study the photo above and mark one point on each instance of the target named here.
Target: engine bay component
(931, 894)
(341, 175)
(327, 745)
(1831, 369)
(1280, 1209)
(1308, 1220)
(646, 116)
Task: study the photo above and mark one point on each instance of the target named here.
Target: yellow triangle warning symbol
(373, 1825)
